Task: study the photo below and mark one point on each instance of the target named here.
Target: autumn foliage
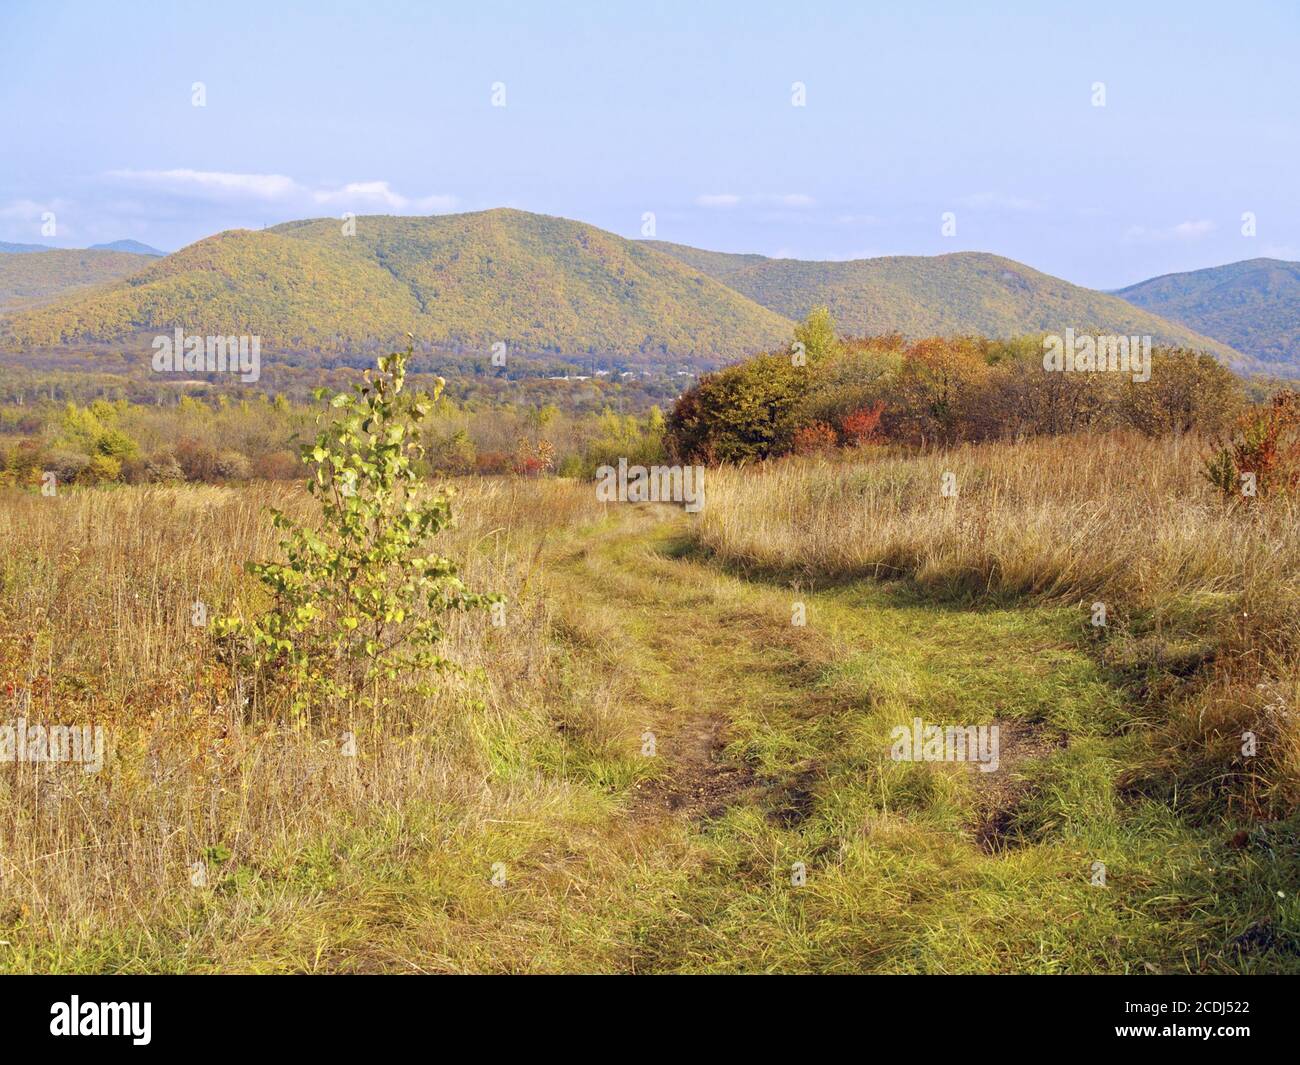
(940, 392)
(811, 439)
(1262, 456)
(863, 425)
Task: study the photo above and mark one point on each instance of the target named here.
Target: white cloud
(374, 192)
(730, 199)
(1181, 231)
(721, 199)
(277, 188)
(380, 194)
(28, 210)
(214, 183)
(22, 220)
(997, 201)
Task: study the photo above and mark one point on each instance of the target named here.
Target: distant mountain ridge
(132, 246)
(49, 274)
(542, 284)
(916, 295)
(533, 282)
(1252, 305)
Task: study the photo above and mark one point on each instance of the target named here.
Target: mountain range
(40, 275)
(133, 246)
(938, 295)
(1254, 305)
(6, 248)
(31, 274)
(544, 284)
(540, 284)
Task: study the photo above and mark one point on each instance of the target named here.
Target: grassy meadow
(628, 774)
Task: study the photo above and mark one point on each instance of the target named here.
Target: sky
(1100, 142)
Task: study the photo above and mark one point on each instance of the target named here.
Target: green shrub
(357, 607)
(743, 412)
(102, 469)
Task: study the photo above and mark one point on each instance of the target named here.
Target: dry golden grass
(316, 861)
(1203, 599)
(96, 594)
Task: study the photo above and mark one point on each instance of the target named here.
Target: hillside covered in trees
(548, 285)
(1252, 305)
(938, 295)
(537, 283)
(36, 276)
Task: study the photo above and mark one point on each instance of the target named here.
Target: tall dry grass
(1202, 598)
(96, 597)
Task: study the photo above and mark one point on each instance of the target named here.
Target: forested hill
(39, 275)
(549, 285)
(538, 283)
(938, 295)
(1253, 305)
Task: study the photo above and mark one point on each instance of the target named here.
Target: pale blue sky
(682, 109)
